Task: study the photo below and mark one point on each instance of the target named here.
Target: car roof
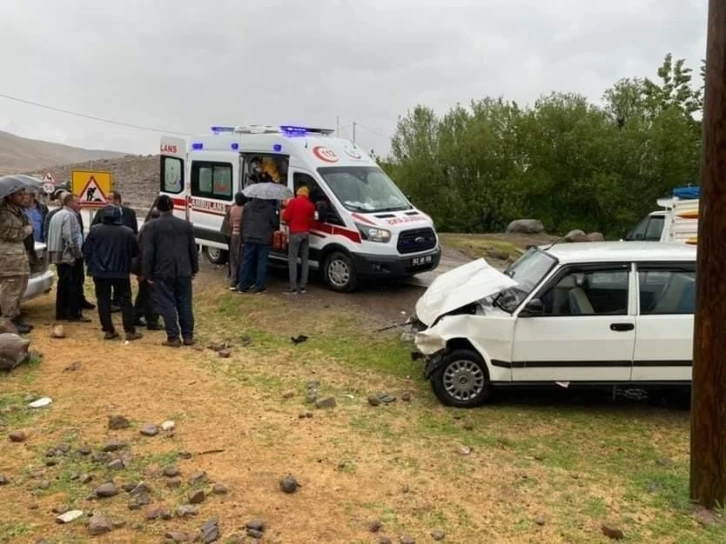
(596, 252)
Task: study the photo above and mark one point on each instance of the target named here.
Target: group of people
(249, 226)
(162, 255)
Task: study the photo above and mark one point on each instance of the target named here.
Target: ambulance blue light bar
(217, 130)
(292, 130)
(277, 148)
(196, 146)
(234, 146)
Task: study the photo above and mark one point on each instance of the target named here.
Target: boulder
(6, 326)
(13, 351)
(525, 226)
(596, 237)
(576, 236)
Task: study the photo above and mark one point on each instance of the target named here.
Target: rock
(63, 448)
(17, 436)
(218, 346)
(305, 415)
(186, 511)
(120, 524)
(116, 464)
(43, 484)
(176, 536)
(60, 509)
(375, 526)
(707, 518)
(139, 501)
(196, 496)
(438, 534)
(168, 426)
(612, 532)
(386, 398)
(149, 429)
(407, 540)
(406, 397)
(596, 237)
(384, 540)
(41, 402)
(69, 516)
(289, 484)
(464, 450)
(13, 351)
(58, 332)
(199, 477)
(185, 455)
(117, 423)
(257, 535)
(575, 236)
(85, 450)
(539, 520)
(85, 478)
(73, 367)
(312, 396)
(4, 480)
(7, 327)
(225, 353)
(326, 403)
(496, 254)
(140, 489)
(171, 472)
(373, 400)
(219, 489)
(113, 445)
(525, 226)
(106, 490)
(288, 394)
(210, 531)
(174, 483)
(154, 514)
(468, 426)
(99, 525)
(256, 524)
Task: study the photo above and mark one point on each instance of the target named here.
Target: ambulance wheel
(215, 255)
(339, 272)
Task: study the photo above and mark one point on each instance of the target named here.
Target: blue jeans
(253, 266)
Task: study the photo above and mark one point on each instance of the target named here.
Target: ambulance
(366, 229)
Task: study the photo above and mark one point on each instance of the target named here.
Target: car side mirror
(533, 308)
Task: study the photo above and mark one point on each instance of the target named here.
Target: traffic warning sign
(92, 188)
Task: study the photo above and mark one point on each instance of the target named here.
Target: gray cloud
(185, 65)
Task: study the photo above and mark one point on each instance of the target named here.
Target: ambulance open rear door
(172, 174)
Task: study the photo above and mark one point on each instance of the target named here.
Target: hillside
(22, 154)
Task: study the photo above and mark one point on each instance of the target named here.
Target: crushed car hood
(460, 287)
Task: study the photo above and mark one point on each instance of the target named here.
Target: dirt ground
(527, 470)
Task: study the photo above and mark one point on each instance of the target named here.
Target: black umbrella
(12, 184)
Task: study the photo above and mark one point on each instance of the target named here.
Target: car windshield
(528, 271)
(365, 189)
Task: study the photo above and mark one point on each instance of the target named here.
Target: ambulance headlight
(374, 234)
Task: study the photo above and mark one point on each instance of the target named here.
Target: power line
(92, 117)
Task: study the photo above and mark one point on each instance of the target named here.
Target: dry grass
(574, 462)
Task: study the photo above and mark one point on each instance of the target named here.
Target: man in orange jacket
(299, 215)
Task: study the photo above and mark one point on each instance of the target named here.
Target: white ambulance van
(366, 229)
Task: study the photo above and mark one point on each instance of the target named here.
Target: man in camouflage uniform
(15, 227)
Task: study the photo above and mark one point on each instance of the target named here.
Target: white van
(367, 228)
(676, 222)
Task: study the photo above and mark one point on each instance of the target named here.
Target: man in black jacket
(259, 222)
(144, 305)
(169, 262)
(108, 252)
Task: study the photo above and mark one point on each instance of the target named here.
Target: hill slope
(22, 154)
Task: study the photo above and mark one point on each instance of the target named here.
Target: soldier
(15, 227)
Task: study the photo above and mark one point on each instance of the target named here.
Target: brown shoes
(172, 343)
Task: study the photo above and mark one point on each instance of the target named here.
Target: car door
(586, 332)
(664, 324)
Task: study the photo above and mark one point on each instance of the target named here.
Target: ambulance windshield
(364, 189)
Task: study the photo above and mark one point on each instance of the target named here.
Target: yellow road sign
(92, 188)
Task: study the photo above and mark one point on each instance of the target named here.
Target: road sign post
(708, 410)
(92, 188)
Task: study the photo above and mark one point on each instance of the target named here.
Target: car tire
(461, 380)
(216, 256)
(339, 273)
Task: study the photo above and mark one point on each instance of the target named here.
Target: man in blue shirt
(36, 212)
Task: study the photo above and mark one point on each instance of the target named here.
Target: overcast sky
(184, 65)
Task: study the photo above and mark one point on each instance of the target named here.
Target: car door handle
(621, 327)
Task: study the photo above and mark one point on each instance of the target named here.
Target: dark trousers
(122, 286)
(173, 300)
(144, 305)
(67, 303)
(79, 280)
(254, 265)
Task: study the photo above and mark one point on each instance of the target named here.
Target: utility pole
(354, 124)
(708, 410)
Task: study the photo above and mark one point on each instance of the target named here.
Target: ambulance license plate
(422, 261)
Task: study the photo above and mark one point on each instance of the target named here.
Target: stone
(85, 478)
(171, 472)
(63, 448)
(464, 450)
(707, 518)
(116, 464)
(17, 437)
(99, 525)
(525, 226)
(176, 536)
(386, 398)
(326, 403)
(539, 520)
(4, 480)
(114, 445)
(612, 532)
(186, 511)
(140, 489)
(596, 237)
(117, 423)
(384, 540)
(406, 397)
(58, 332)
(106, 490)
(438, 534)
(210, 531)
(85, 450)
(120, 524)
(156, 513)
(289, 484)
(373, 400)
(168, 426)
(219, 489)
(288, 394)
(575, 236)
(7, 327)
(225, 353)
(312, 396)
(51, 462)
(69, 516)
(13, 351)
(73, 367)
(252, 533)
(405, 539)
(149, 429)
(139, 501)
(174, 483)
(130, 486)
(196, 496)
(468, 426)
(256, 524)
(199, 477)
(60, 509)
(375, 526)
(43, 484)
(305, 415)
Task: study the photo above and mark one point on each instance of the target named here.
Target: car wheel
(461, 380)
(339, 273)
(215, 255)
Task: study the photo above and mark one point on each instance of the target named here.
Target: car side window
(587, 292)
(655, 228)
(667, 290)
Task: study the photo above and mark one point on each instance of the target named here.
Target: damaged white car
(589, 314)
